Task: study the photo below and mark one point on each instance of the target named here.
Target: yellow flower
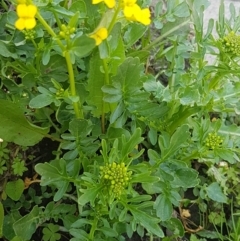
(109, 3)
(134, 13)
(26, 14)
(143, 16)
(100, 35)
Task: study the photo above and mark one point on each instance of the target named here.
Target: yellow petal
(128, 12)
(31, 10)
(143, 16)
(129, 2)
(96, 1)
(30, 23)
(110, 3)
(102, 33)
(97, 39)
(22, 11)
(19, 24)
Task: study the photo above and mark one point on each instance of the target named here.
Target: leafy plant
(142, 126)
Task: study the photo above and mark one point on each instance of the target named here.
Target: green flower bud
(231, 43)
(213, 141)
(116, 177)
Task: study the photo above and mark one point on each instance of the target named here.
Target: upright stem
(78, 113)
(93, 228)
(106, 82)
(50, 31)
(114, 17)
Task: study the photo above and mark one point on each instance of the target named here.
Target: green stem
(173, 77)
(71, 197)
(50, 120)
(214, 82)
(34, 43)
(93, 228)
(65, 4)
(49, 30)
(110, 27)
(106, 82)
(53, 138)
(78, 113)
(151, 237)
(158, 40)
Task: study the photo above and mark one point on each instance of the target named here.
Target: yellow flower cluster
(26, 16)
(231, 43)
(115, 177)
(213, 141)
(131, 10)
(134, 13)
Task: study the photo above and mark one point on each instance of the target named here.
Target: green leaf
(129, 145)
(227, 155)
(189, 96)
(178, 138)
(80, 128)
(62, 11)
(5, 52)
(147, 221)
(82, 46)
(49, 173)
(56, 69)
(232, 130)
(89, 195)
(14, 189)
(134, 33)
(74, 19)
(152, 135)
(61, 191)
(186, 178)
(26, 226)
(181, 10)
(152, 188)
(50, 232)
(15, 127)
(164, 208)
(144, 178)
(79, 6)
(109, 232)
(79, 234)
(180, 26)
(41, 100)
(95, 83)
(140, 198)
(128, 75)
(215, 193)
(117, 56)
(9, 219)
(176, 226)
